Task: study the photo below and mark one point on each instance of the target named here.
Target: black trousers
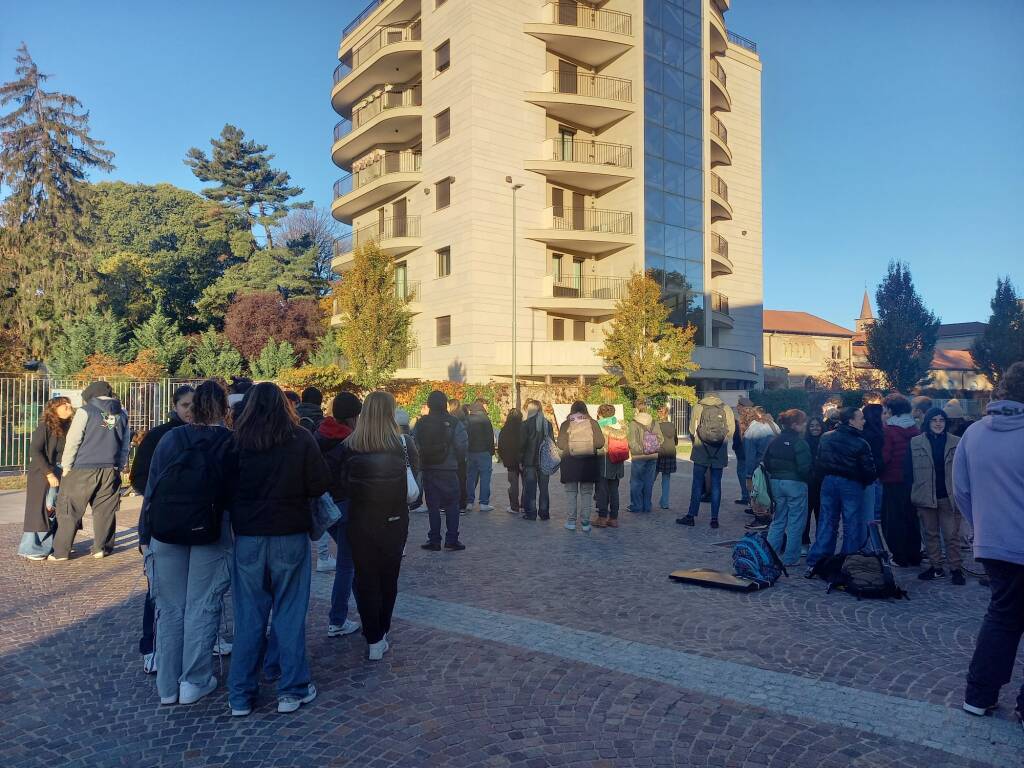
(514, 477)
(147, 643)
(462, 484)
(377, 556)
(607, 495)
(80, 488)
(996, 651)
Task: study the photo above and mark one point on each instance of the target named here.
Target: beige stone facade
(443, 101)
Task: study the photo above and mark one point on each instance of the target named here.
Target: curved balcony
(378, 182)
(721, 264)
(721, 210)
(720, 317)
(391, 54)
(718, 39)
(720, 99)
(580, 98)
(721, 363)
(594, 166)
(385, 117)
(395, 236)
(720, 152)
(591, 36)
(592, 231)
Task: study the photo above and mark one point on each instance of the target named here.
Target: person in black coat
(510, 449)
(815, 429)
(44, 478)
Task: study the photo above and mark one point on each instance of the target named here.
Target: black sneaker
(685, 520)
(544, 517)
(458, 546)
(957, 577)
(714, 524)
(431, 546)
(742, 502)
(529, 517)
(756, 525)
(750, 512)
(930, 573)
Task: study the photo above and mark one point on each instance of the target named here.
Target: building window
(444, 262)
(837, 352)
(443, 193)
(556, 267)
(442, 125)
(444, 331)
(402, 280)
(579, 330)
(442, 57)
(558, 329)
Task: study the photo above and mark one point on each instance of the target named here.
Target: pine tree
(273, 359)
(1002, 344)
(45, 153)
(375, 335)
(213, 355)
(246, 181)
(327, 351)
(94, 334)
(901, 341)
(652, 355)
(160, 334)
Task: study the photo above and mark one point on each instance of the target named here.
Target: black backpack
(865, 575)
(713, 428)
(434, 435)
(183, 507)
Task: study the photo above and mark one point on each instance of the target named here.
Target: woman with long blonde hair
(374, 478)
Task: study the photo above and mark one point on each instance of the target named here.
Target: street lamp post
(515, 303)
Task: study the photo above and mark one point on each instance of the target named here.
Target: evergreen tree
(1002, 344)
(901, 341)
(272, 359)
(160, 334)
(375, 335)
(45, 153)
(315, 227)
(94, 334)
(327, 351)
(643, 348)
(213, 355)
(246, 181)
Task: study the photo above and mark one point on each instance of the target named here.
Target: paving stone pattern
(534, 647)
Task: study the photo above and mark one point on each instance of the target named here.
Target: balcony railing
(718, 71)
(585, 17)
(719, 303)
(408, 290)
(589, 287)
(719, 130)
(743, 42)
(381, 39)
(593, 86)
(719, 187)
(392, 162)
(396, 226)
(412, 360)
(719, 245)
(385, 100)
(593, 152)
(363, 16)
(592, 220)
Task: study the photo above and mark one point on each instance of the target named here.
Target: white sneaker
(326, 564)
(585, 527)
(338, 630)
(421, 508)
(290, 704)
(149, 663)
(486, 508)
(165, 700)
(377, 650)
(241, 712)
(570, 525)
(222, 647)
(189, 693)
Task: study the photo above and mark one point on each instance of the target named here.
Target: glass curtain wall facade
(673, 156)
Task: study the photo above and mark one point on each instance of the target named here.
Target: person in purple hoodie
(988, 475)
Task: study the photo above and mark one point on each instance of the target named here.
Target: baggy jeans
(840, 498)
(479, 466)
(790, 518)
(581, 501)
(641, 484)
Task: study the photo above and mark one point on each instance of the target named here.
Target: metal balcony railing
(585, 17)
(589, 287)
(392, 162)
(408, 290)
(719, 187)
(592, 220)
(363, 16)
(718, 71)
(719, 130)
(594, 152)
(719, 303)
(593, 86)
(412, 360)
(719, 245)
(380, 39)
(385, 100)
(743, 42)
(396, 226)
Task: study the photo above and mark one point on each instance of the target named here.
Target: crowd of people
(230, 484)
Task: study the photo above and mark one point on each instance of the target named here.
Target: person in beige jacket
(930, 460)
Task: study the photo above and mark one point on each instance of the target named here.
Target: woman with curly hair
(44, 478)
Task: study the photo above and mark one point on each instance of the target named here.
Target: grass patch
(12, 482)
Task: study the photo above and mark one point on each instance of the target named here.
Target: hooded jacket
(510, 443)
(896, 442)
(480, 431)
(642, 422)
(931, 480)
(988, 475)
(581, 468)
(439, 422)
(310, 415)
(98, 437)
(608, 469)
(329, 436)
(711, 456)
(788, 458)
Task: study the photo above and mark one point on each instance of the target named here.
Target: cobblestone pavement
(535, 647)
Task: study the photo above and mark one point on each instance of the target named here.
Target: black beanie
(437, 402)
(345, 406)
(97, 389)
(312, 395)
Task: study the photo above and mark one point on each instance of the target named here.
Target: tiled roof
(802, 322)
(961, 329)
(952, 360)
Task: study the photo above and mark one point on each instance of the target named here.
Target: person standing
(666, 456)
(900, 525)
(456, 410)
(188, 546)
(988, 475)
(742, 416)
(95, 453)
(930, 470)
(510, 453)
(579, 440)
(845, 466)
(273, 470)
(756, 439)
(645, 441)
(815, 429)
(43, 479)
(536, 430)
(713, 426)
(611, 466)
(480, 456)
(788, 462)
(441, 440)
(330, 437)
(373, 478)
(919, 406)
(310, 411)
(874, 433)
(956, 422)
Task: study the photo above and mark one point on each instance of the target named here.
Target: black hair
(897, 404)
(846, 414)
(180, 392)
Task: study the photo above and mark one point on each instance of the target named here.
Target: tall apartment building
(634, 130)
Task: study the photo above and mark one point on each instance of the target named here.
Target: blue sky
(891, 130)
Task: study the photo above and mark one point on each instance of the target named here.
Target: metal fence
(22, 398)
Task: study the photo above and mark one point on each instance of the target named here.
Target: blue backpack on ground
(754, 558)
